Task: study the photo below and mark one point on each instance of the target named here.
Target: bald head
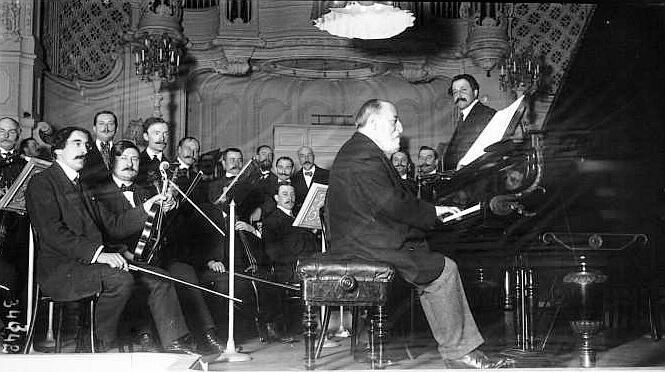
(10, 131)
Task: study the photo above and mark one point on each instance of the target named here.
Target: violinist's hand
(169, 203)
(442, 210)
(128, 255)
(216, 266)
(115, 260)
(244, 226)
(155, 199)
(222, 198)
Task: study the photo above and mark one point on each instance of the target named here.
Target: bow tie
(7, 154)
(309, 173)
(125, 188)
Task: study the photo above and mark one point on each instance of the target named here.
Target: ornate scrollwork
(10, 21)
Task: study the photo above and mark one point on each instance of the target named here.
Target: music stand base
(231, 356)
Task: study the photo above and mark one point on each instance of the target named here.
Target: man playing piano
(374, 217)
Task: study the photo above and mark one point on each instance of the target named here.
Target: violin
(148, 243)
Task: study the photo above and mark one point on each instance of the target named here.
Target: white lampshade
(376, 21)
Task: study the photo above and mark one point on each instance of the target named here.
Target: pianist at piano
(374, 217)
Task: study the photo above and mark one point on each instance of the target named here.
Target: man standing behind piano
(374, 217)
(474, 117)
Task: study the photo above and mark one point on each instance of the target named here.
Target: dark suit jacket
(69, 227)
(466, 133)
(95, 171)
(285, 243)
(108, 194)
(149, 171)
(374, 216)
(298, 181)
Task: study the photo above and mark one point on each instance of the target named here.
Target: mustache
(129, 169)
(460, 99)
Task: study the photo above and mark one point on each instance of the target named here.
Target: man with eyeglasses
(472, 119)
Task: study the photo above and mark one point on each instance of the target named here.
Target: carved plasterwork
(6, 84)
(10, 21)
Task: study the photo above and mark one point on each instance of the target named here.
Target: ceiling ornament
(361, 19)
(521, 69)
(487, 40)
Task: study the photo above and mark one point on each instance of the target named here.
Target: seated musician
(193, 253)
(14, 227)
(285, 244)
(74, 260)
(118, 193)
(427, 163)
(373, 217)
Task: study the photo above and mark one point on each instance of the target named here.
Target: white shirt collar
(151, 153)
(402, 176)
(120, 182)
(182, 164)
(3, 151)
(313, 169)
(432, 172)
(229, 175)
(69, 172)
(468, 109)
(98, 143)
(287, 211)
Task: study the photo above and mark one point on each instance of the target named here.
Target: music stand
(14, 201)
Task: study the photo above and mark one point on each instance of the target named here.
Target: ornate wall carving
(10, 21)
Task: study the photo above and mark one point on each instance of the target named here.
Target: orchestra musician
(474, 117)
(119, 194)
(404, 167)
(374, 217)
(74, 261)
(13, 226)
(309, 172)
(285, 244)
(97, 162)
(156, 133)
(427, 164)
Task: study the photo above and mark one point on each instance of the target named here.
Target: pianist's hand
(442, 210)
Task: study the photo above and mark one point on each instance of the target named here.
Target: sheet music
(461, 213)
(492, 133)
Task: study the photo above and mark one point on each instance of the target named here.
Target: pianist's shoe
(476, 360)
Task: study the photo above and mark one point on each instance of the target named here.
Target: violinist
(74, 260)
(119, 193)
(427, 164)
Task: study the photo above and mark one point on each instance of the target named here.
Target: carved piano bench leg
(330, 281)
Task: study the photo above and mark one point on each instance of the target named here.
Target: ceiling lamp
(363, 19)
(521, 69)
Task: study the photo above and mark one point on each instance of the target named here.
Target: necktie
(154, 159)
(104, 149)
(125, 188)
(309, 173)
(460, 118)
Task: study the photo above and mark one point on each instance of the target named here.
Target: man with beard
(13, 226)
(156, 133)
(473, 118)
(74, 260)
(309, 172)
(119, 194)
(404, 168)
(374, 217)
(97, 161)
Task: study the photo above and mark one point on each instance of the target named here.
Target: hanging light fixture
(521, 70)
(158, 45)
(361, 19)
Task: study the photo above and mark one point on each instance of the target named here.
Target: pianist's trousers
(448, 314)
(191, 299)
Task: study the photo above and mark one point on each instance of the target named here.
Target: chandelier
(157, 57)
(361, 19)
(521, 70)
(158, 45)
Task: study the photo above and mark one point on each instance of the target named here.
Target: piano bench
(327, 280)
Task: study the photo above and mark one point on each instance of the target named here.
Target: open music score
(461, 213)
